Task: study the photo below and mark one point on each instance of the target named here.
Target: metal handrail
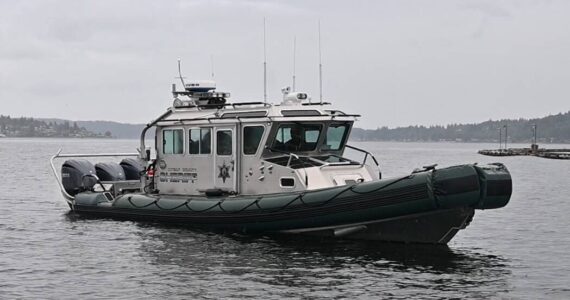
(66, 195)
(324, 163)
(142, 150)
(291, 155)
(336, 164)
(365, 156)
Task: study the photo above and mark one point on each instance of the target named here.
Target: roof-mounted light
(293, 98)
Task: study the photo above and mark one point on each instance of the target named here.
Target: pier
(532, 151)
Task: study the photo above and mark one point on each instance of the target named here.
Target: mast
(264, 66)
(506, 136)
(320, 67)
(500, 138)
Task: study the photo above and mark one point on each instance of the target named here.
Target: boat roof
(254, 111)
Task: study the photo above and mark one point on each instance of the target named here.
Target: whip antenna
(180, 74)
(212, 64)
(264, 66)
(320, 67)
(294, 50)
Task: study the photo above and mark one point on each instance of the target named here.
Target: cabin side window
(335, 138)
(224, 142)
(200, 141)
(173, 141)
(251, 138)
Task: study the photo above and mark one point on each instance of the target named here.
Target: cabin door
(225, 159)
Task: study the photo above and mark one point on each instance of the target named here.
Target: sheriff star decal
(224, 171)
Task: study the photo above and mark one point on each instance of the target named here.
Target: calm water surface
(519, 252)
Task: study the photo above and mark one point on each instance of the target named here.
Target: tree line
(30, 127)
(550, 129)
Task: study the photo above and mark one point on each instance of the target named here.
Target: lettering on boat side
(178, 177)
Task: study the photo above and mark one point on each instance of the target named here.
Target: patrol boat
(254, 167)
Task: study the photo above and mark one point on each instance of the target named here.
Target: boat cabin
(205, 145)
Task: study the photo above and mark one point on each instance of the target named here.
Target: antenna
(180, 74)
(294, 50)
(264, 66)
(320, 67)
(212, 64)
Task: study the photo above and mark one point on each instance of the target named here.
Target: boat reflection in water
(308, 267)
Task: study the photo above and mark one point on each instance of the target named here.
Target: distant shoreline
(552, 129)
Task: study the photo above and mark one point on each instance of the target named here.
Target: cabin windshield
(296, 137)
(336, 137)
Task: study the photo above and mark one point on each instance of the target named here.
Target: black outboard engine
(76, 176)
(132, 168)
(110, 171)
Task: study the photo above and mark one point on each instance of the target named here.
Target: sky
(396, 63)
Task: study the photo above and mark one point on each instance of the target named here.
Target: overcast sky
(395, 62)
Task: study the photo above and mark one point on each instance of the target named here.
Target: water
(521, 251)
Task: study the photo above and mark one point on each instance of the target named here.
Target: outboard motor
(132, 168)
(110, 171)
(76, 176)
